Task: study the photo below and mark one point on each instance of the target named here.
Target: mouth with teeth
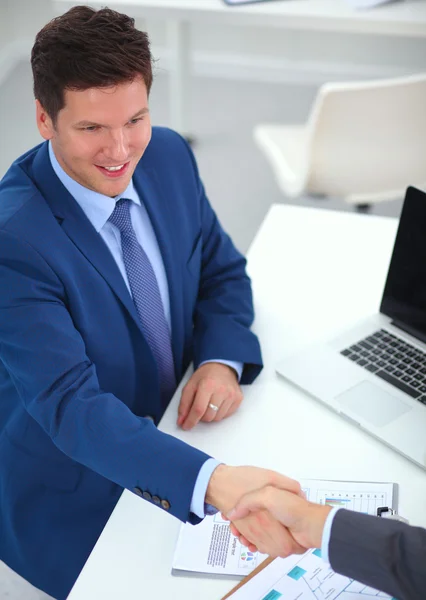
(113, 172)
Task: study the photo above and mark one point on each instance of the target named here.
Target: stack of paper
(211, 548)
(305, 577)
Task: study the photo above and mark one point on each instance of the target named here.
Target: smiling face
(100, 134)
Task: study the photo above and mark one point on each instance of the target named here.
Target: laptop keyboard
(390, 358)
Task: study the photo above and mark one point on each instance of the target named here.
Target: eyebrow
(141, 112)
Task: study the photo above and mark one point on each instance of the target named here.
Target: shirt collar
(97, 207)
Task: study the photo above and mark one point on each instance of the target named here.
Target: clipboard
(255, 571)
(196, 544)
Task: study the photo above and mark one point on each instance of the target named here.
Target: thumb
(252, 502)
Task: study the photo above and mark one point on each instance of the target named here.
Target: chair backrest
(368, 137)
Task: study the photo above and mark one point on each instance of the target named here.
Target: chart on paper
(304, 578)
(211, 548)
(366, 498)
(308, 577)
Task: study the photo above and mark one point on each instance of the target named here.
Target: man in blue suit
(115, 274)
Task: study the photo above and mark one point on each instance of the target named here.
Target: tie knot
(120, 216)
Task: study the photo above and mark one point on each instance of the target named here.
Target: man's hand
(304, 520)
(212, 383)
(260, 528)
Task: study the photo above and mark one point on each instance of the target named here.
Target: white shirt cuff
(326, 533)
(200, 488)
(237, 366)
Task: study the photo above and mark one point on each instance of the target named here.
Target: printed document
(305, 577)
(211, 548)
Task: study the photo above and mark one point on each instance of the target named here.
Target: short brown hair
(85, 48)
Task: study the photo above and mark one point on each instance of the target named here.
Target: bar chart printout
(211, 548)
(359, 496)
(366, 502)
(308, 577)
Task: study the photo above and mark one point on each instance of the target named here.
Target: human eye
(91, 128)
(134, 121)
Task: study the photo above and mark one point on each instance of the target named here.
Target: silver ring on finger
(213, 407)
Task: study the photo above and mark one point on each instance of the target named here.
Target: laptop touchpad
(372, 403)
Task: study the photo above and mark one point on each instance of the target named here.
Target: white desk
(407, 18)
(310, 273)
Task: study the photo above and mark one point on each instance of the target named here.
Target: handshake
(268, 511)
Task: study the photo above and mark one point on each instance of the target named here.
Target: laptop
(374, 374)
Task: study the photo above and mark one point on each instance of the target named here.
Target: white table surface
(406, 18)
(313, 271)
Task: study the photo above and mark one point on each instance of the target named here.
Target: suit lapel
(79, 229)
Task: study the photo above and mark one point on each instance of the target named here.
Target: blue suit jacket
(77, 377)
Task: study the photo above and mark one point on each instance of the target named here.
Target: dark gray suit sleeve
(382, 553)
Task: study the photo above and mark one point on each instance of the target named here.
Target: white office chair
(363, 141)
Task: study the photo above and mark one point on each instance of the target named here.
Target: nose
(118, 147)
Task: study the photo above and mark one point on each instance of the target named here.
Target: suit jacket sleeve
(224, 310)
(385, 554)
(57, 383)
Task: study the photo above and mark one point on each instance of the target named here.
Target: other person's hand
(211, 394)
(259, 529)
(304, 520)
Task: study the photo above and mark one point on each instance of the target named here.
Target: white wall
(20, 20)
(259, 54)
(294, 56)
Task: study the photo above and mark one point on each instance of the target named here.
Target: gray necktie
(146, 296)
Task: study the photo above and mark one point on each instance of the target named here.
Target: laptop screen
(404, 297)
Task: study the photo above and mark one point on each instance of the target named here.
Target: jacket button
(147, 496)
(165, 504)
(156, 500)
(138, 491)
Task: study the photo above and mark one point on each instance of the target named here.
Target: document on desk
(211, 548)
(305, 577)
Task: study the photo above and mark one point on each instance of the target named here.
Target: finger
(283, 482)
(230, 405)
(243, 541)
(285, 547)
(213, 408)
(236, 400)
(268, 535)
(223, 410)
(234, 530)
(186, 400)
(252, 502)
(198, 408)
(279, 540)
(218, 397)
(232, 409)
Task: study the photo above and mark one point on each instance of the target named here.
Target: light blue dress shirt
(326, 534)
(98, 208)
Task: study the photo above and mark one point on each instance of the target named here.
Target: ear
(44, 122)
